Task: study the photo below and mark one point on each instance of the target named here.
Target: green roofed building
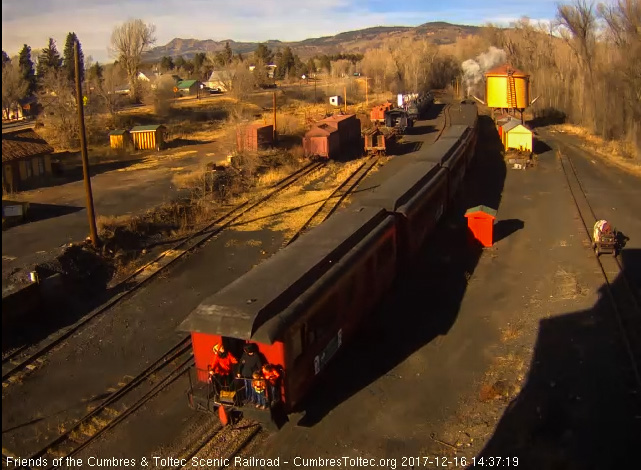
(188, 87)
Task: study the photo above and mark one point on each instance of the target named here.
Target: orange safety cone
(222, 415)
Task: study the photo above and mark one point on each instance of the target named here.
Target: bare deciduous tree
(58, 100)
(128, 42)
(578, 23)
(244, 81)
(14, 88)
(160, 95)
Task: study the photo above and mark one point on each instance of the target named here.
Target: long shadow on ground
(580, 406)
(428, 295)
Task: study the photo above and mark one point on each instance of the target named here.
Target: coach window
(297, 342)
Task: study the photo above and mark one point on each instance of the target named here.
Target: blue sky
(34, 21)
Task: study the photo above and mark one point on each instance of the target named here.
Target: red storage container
(480, 223)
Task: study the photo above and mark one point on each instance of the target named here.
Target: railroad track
(620, 290)
(333, 202)
(14, 367)
(222, 446)
(119, 405)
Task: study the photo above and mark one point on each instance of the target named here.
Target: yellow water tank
(507, 87)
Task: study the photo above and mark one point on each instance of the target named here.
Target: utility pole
(367, 91)
(314, 88)
(345, 96)
(93, 232)
(274, 106)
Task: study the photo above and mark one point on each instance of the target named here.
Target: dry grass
(271, 177)
(107, 224)
(189, 180)
(621, 154)
(291, 209)
(504, 378)
(567, 286)
(510, 332)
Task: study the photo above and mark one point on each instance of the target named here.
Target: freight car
(417, 107)
(398, 119)
(378, 141)
(335, 135)
(302, 304)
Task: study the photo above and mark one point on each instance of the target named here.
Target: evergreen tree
(264, 54)
(199, 61)
(5, 58)
(325, 63)
(95, 73)
(26, 69)
(180, 62)
(298, 69)
(49, 59)
(227, 53)
(68, 61)
(166, 64)
(285, 62)
(311, 66)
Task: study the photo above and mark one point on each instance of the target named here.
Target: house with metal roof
(26, 160)
(189, 87)
(219, 80)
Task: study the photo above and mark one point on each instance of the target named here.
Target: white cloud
(34, 21)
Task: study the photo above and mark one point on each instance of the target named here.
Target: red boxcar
(322, 141)
(349, 129)
(254, 137)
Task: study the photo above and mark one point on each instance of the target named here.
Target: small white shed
(336, 100)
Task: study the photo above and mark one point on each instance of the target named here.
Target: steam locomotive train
(301, 305)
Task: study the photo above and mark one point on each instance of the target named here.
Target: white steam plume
(473, 69)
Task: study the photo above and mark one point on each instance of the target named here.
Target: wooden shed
(321, 141)
(119, 138)
(26, 160)
(148, 137)
(254, 137)
(517, 136)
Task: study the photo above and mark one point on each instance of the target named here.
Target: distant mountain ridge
(357, 41)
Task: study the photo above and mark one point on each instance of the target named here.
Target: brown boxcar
(254, 137)
(321, 141)
(349, 129)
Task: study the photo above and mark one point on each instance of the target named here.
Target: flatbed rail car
(378, 141)
(300, 305)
